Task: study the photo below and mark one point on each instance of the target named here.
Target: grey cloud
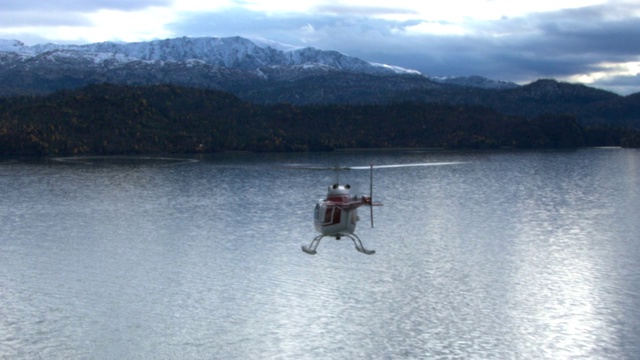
(79, 6)
(624, 85)
(343, 10)
(583, 31)
(556, 44)
(233, 22)
(542, 45)
(42, 18)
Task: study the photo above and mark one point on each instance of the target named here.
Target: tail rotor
(371, 192)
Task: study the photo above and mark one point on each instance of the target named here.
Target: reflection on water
(511, 255)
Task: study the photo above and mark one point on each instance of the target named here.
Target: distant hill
(118, 119)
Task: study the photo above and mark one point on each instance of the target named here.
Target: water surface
(510, 255)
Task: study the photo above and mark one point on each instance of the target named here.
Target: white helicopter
(336, 215)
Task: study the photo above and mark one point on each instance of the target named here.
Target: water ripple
(514, 255)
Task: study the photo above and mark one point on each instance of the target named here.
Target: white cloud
(435, 28)
(607, 71)
(110, 25)
(280, 6)
(199, 5)
(129, 26)
(66, 21)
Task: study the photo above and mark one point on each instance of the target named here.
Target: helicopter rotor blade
(402, 165)
(346, 168)
(323, 168)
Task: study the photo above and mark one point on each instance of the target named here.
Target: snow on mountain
(231, 52)
(228, 60)
(398, 69)
(11, 46)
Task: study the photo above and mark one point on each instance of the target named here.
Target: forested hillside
(118, 119)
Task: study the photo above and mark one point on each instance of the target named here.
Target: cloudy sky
(596, 42)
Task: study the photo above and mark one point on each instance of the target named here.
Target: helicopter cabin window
(316, 212)
(336, 215)
(337, 212)
(331, 215)
(327, 215)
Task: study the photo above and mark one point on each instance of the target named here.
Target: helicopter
(336, 215)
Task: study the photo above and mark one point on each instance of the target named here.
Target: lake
(531, 255)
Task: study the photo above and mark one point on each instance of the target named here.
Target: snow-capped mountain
(233, 52)
(258, 70)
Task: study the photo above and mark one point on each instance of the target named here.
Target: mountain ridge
(263, 72)
(230, 52)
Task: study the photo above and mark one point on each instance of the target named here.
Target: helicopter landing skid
(311, 249)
